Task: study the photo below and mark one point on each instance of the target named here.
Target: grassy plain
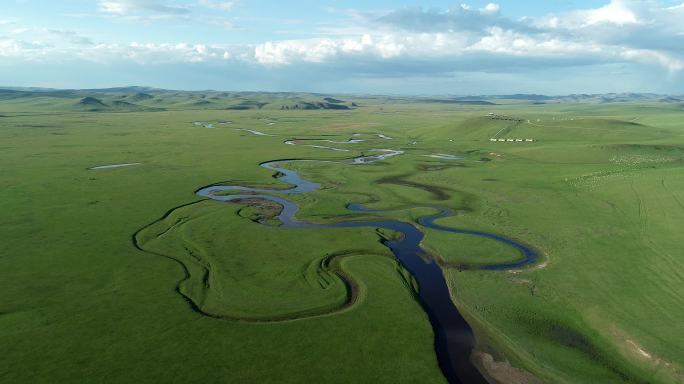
(599, 193)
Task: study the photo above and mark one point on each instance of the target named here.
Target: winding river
(454, 339)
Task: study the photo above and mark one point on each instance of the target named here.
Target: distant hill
(140, 96)
(132, 99)
(92, 104)
(125, 106)
(316, 105)
(520, 96)
(129, 90)
(457, 101)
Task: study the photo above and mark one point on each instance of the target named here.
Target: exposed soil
(263, 211)
(502, 372)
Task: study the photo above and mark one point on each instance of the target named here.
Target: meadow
(93, 285)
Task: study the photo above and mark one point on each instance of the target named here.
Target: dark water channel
(454, 339)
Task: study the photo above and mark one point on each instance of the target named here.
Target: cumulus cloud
(40, 42)
(412, 40)
(157, 53)
(491, 8)
(141, 53)
(383, 46)
(614, 14)
(127, 7)
(617, 12)
(645, 32)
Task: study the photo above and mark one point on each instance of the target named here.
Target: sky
(372, 47)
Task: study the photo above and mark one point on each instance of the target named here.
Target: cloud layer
(633, 31)
(403, 42)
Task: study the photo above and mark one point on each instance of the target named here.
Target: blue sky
(391, 47)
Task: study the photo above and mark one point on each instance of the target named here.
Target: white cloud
(163, 7)
(675, 7)
(491, 8)
(367, 46)
(616, 12)
(116, 7)
(151, 11)
(410, 39)
(156, 53)
(518, 44)
(649, 56)
(218, 4)
(461, 18)
(141, 53)
(17, 48)
(128, 7)
(28, 39)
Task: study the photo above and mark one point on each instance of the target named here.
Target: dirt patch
(502, 372)
(259, 210)
(638, 352)
(525, 282)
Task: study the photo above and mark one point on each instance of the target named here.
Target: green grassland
(125, 275)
